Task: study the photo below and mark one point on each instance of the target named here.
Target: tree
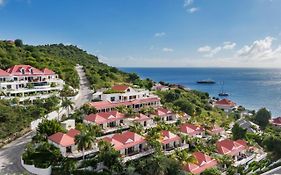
(84, 141)
(183, 157)
(272, 144)
(68, 166)
(262, 117)
(110, 157)
(238, 132)
(211, 171)
(130, 112)
(133, 77)
(49, 127)
(67, 104)
(137, 128)
(18, 43)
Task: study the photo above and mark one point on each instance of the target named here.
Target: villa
(203, 162)
(224, 104)
(65, 142)
(238, 150)
(109, 121)
(24, 80)
(216, 131)
(276, 122)
(166, 115)
(169, 140)
(159, 87)
(123, 93)
(127, 143)
(106, 106)
(142, 119)
(192, 130)
(248, 125)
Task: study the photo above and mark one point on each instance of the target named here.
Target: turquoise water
(251, 87)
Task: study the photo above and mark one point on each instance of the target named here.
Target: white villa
(109, 121)
(166, 115)
(127, 143)
(123, 93)
(64, 141)
(26, 81)
(169, 140)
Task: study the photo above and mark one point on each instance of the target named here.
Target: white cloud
(204, 49)
(160, 34)
(167, 49)
(213, 52)
(187, 3)
(260, 50)
(229, 45)
(209, 51)
(193, 10)
(2, 2)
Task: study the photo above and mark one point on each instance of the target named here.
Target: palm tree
(183, 157)
(130, 112)
(67, 104)
(137, 128)
(121, 109)
(147, 110)
(95, 130)
(84, 141)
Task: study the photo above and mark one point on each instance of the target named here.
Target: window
(112, 98)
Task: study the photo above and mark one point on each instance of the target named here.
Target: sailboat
(222, 93)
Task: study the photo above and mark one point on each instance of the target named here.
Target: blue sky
(153, 33)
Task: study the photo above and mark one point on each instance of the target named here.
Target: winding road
(10, 153)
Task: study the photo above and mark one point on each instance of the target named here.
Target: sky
(153, 33)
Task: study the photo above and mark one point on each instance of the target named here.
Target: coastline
(252, 88)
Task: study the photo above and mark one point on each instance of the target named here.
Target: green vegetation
(62, 59)
(238, 132)
(195, 104)
(14, 118)
(262, 117)
(41, 155)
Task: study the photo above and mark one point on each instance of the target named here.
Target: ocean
(252, 88)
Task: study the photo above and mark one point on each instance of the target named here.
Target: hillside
(61, 59)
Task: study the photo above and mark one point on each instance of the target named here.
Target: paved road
(10, 153)
(85, 91)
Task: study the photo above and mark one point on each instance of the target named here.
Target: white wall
(40, 171)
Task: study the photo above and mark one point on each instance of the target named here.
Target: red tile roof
(62, 139)
(203, 162)
(230, 147)
(106, 104)
(225, 102)
(216, 130)
(4, 73)
(125, 140)
(168, 137)
(28, 71)
(73, 132)
(163, 112)
(47, 71)
(191, 129)
(141, 117)
(276, 121)
(105, 117)
(120, 87)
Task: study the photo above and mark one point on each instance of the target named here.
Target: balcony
(244, 159)
(138, 155)
(171, 151)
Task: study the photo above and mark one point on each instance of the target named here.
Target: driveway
(10, 153)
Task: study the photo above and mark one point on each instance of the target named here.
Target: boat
(222, 93)
(206, 82)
